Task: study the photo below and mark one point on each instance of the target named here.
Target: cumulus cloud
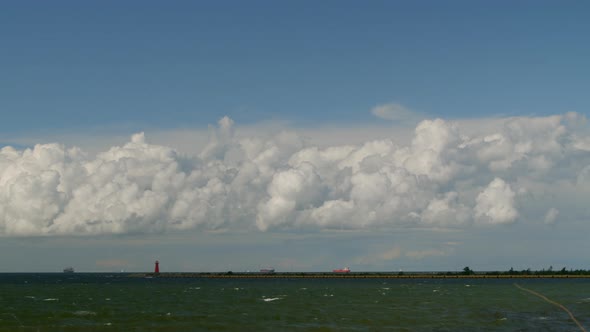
(395, 112)
(495, 204)
(551, 215)
(447, 176)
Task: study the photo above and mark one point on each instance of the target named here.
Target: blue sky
(299, 134)
(141, 64)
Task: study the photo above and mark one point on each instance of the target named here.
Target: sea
(118, 302)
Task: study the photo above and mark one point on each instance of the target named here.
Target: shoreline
(358, 275)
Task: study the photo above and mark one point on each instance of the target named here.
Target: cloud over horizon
(278, 182)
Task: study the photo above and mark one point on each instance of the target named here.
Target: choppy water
(103, 302)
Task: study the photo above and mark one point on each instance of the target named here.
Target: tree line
(549, 271)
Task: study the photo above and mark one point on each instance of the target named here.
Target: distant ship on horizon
(267, 270)
(69, 269)
(344, 270)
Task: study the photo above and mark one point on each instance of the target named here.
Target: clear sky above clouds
(306, 135)
(148, 63)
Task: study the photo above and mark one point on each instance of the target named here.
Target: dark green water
(103, 302)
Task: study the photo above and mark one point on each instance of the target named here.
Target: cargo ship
(268, 270)
(69, 270)
(344, 270)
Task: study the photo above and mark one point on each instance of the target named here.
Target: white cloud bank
(443, 178)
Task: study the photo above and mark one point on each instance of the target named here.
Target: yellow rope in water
(554, 303)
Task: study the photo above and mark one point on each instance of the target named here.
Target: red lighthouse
(157, 267)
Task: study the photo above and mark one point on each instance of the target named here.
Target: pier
(350, 275)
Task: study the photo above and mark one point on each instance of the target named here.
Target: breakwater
(352, 275)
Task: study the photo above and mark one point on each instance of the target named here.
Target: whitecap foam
(84, 313)
(270, 299)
